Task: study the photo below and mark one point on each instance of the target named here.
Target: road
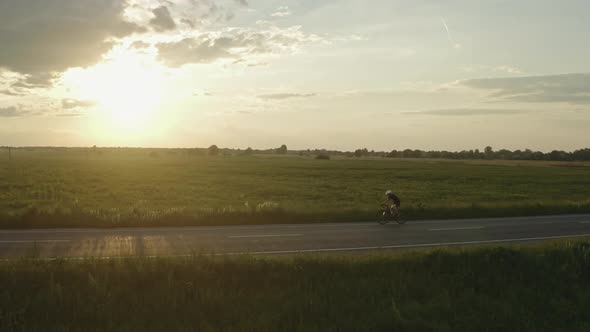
(285, 239)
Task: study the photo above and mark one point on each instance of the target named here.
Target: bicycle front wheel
(384, 218)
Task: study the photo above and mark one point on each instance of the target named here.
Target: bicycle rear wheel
(397, 216)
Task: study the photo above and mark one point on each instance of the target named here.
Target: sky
(381, 74)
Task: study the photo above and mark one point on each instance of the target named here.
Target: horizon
(481, 150)
(385, 74)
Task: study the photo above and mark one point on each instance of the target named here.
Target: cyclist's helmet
(389, 192)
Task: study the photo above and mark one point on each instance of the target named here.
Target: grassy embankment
(471, 289)
(137, 187)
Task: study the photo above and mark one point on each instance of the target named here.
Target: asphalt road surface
(285, 239)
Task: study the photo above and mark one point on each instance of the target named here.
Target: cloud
(139, 44)
(188, 22)
(257, 64)
(466, 111)
(75, 103)
(69, 114)
(37, 81)
(11, 93)
(508, 69)
(204, 12)
(282, 12)
(162, 20)
(11, 111)
(234, 43)
(48, 107)
(204, 93)
(39, 37)
(282, 96)
(567, 88)
(449, 35)
(192, 50)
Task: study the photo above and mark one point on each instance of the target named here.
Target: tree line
(486, 153)
(476, 154)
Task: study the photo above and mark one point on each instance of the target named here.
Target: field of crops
(478, 289)
(128, 187)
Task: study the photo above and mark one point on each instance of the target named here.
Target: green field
(133, 187)
(473, 289)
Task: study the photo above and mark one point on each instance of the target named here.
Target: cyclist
(392, 202)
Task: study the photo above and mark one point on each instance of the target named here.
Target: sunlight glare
(127, 87)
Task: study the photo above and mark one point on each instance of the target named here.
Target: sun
(127, 87)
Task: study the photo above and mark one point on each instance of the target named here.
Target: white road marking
(508, 219)
(262, 235)
(404, 245)
(456, 228)
(302, 251)
(584, 222)
(32, 241)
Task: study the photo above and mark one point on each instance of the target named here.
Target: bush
(322, 157)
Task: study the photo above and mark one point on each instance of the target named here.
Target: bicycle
(389, 213)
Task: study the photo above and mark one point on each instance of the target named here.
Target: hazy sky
(428, 74)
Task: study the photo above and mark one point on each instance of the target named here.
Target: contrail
(449, 35)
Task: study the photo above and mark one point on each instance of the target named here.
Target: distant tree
(537, 155)
(446, 155)
(407, 153)
(213, 150)
(559, 155)
(282, 149)
(323, 156)
(248, 151)
(504, 154)
(361, 152)
(527, 154)
(583, 154)
(488, 152)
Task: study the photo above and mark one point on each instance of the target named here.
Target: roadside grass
(539, 288)
(115, 217)
(131, 187)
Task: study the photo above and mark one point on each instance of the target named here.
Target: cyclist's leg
(394, 210)
(390, 208)
(387, 209)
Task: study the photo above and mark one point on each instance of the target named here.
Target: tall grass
(167, 217)
(483, 289)
(129, 187)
